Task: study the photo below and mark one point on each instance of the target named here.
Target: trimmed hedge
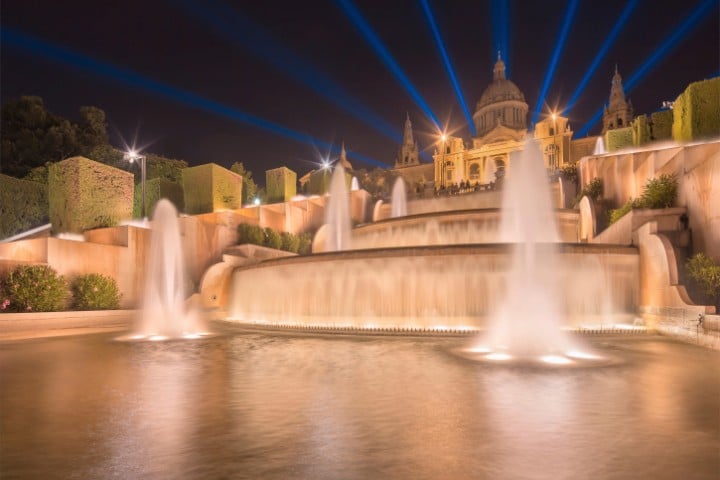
(618, 138)
(33, 288)
(156, 189)
(696, 111)
(280, 184)
(23, 205)
(95, 292)
(267, 237)
(84, 194)
(210, 187)
(640, 130)
(661, 124)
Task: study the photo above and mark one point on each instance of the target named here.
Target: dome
(501, 89)
(502, 103)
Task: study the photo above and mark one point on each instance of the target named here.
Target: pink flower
(29, 308)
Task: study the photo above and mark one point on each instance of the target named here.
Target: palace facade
(500, 120)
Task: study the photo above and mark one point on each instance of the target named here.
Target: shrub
(305, 247)
(705, 272)
(95, 292)
(250, 234)
(570, 173)
(23, 205)
(35, 288)
(618, 213)
(272, 239)
(660, 192)
(290, 242)
(593, 190)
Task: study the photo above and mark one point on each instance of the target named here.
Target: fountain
(599, 147)
(164, 314)
(354, 184)
(399, 199)
(337, 216)
(527, 322)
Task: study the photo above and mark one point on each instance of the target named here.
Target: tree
(249, 188)
(378, 181)
(32, 136)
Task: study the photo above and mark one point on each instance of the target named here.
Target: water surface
(277, 406)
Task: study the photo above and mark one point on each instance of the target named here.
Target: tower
(618, 112)
(408, 151)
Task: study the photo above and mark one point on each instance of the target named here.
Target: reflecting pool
(270, 405)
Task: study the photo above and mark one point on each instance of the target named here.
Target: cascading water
(527, 322)
(337, 216)
(164, 314)
(354, 184)
(399, 199)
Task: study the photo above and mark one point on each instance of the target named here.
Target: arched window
(551, 156)
(406, 158)
(552, 131)
(474, 171)
(619, 122)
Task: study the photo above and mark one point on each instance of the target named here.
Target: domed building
(500, 121)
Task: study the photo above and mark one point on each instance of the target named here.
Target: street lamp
(132, 156)
(555, 149)
(442, 165)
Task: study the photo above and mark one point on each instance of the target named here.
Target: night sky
(172, 42)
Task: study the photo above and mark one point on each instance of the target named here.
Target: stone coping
(21, 326)
(441, 250)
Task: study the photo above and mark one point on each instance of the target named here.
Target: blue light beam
(371, 37)
(700, 13)
(66, 56)
(501, 32)
(621, 21)
(448, 65)
(266, 48)
(567, 21)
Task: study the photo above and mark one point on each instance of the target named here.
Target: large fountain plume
(164, 314)
(527, 321)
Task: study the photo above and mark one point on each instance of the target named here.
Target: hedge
(210, 187)
(267, 237)
(156, 189)
(661, 123)
(640, 130)
(618, 138)
(280, 184)
(696, 111)
(84, 194)
(23, 205)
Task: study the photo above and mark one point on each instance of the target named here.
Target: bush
(618, 213)
(36, 288)
(272, 239)
(660, 192)
(23, 205)
(706, 273)
(250, 234)
(593, 190)
(95, 292)
(305, 247)
(570, 173)
(290, 242)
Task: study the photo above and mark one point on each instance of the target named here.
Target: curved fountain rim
(438, 250)
(446, 213)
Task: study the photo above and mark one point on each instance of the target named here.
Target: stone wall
(696, 167)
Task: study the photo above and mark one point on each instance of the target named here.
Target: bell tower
(408, 151)
(618, 112)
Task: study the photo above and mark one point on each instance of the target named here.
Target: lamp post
(555, 149)
(442, 164)
(132, 156)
